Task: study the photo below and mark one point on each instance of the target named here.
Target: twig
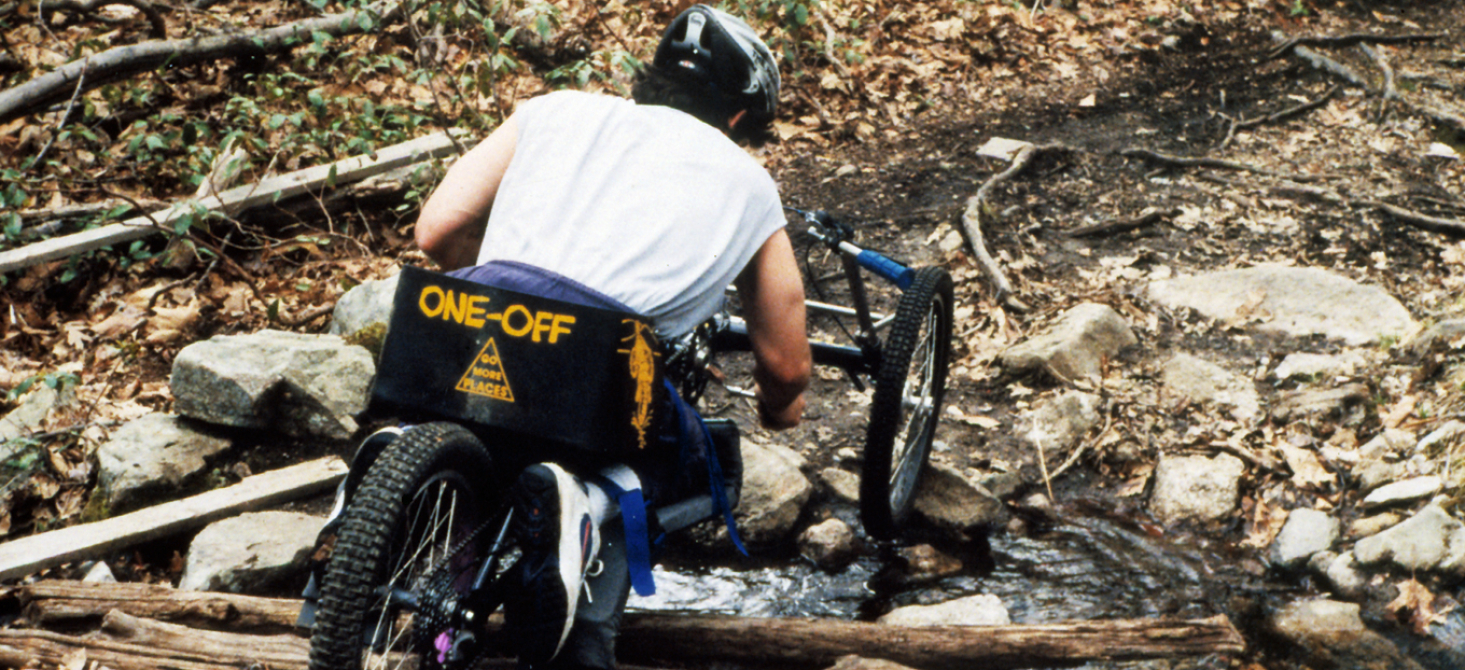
(1350, 40)
(1279, 116)
(1082, 447)
(1390, 92)
(1417, 219)
(1181, 161)
(829, 55)
(971, 221)
(61, 122)
(1322, 62)
(1147, 218)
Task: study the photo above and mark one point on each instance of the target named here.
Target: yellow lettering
(422, 301)
(474, 316)
(455, 308)
(561, 327)
(541, 323)
(518, 331)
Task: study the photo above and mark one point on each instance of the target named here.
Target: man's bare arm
(773, 304)
(450, 227)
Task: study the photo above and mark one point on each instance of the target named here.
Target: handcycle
(419, 538)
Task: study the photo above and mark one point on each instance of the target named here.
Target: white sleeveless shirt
(643, 203)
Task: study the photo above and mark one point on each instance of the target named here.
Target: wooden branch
(58, 603)
(819, 642)
(1350, 40)
(273, 651)
(1148, 218)
(1416, 219)
(1322, 62)
(971, 221)
(1185, 162)
(1279, 116)
(658, 637)
(121, 62)
(36, 552)
(232, 201)
(38, 648)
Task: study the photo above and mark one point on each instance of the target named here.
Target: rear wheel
(427, 492)
(909, 388)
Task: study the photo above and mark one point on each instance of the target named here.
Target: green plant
(59, 381)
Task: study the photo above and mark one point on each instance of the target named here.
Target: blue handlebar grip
(889, 269)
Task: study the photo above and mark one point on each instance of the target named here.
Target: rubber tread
(361, 556)
(881, 519)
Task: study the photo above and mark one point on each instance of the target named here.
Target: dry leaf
(1266, 522)
(1307, 470)
(1415, 606)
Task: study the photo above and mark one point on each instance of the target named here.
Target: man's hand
(775, 417)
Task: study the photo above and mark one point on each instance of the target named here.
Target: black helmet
(721, 50)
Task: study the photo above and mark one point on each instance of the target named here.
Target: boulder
(1331, 634)
(1206, 383)
(949, 500)
(1306, 532)
(1431, 540)
(978, 610)
(830, 544)
(845, 485)
(1196, 488)
(250, 552)
(1074, 346)
(366, 305)
(29, 416)
(1297, 302)
(1059, 423)
(774, 492)
(301, 385)
(152, 455)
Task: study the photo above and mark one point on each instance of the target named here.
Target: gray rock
(1339, 572)
(1309, 366)
(1074, 346)
(844, 484)
(154, 454)
(1331, 634)
(304, 385)
(99, 573)
(853, 662)
(1450, 434)
(948, 499)
(1061, 422)
(1206, 383)
(922, 564)
(830, 544)
(1389, 443)
(1298, 301)
(1431, 540)
(774, 492)
(29, 416)
(1450, 330)
(1306, 532)
(1319, 404)
(1373, 525)
(1002, 485)
(1196, 488)
(1405, 492)
(249, 552)
(979, 610)
(365, 305)
(1376, 473)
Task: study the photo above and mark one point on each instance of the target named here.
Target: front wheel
(427, 492)
(909, 387)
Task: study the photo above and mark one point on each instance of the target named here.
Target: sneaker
(559, 539)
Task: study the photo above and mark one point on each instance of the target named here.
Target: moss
(370, 338)
(97, 508)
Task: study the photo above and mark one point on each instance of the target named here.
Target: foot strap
(623, 484)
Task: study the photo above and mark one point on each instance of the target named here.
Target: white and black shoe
(559, 538)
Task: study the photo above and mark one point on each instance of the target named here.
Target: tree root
(979, 206)
(1278, 116)
(1350, 40)
(1181, 161)
(1148, 218)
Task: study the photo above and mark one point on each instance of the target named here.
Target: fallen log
(30, 554)
(273, 651)
(660, 639)
(38, 648)
(820, 642)
(234, 200)
(58, 603)
(94, 70)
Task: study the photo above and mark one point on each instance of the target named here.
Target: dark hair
(656, 86)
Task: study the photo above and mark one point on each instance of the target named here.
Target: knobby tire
(898, 439)
(379, 532)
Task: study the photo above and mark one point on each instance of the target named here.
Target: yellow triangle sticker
(485, 376)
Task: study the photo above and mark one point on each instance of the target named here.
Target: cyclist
(647, 205)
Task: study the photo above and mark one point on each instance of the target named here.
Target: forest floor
(1304, 156)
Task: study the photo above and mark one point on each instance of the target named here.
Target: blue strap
(720, 505)
(633, 515)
